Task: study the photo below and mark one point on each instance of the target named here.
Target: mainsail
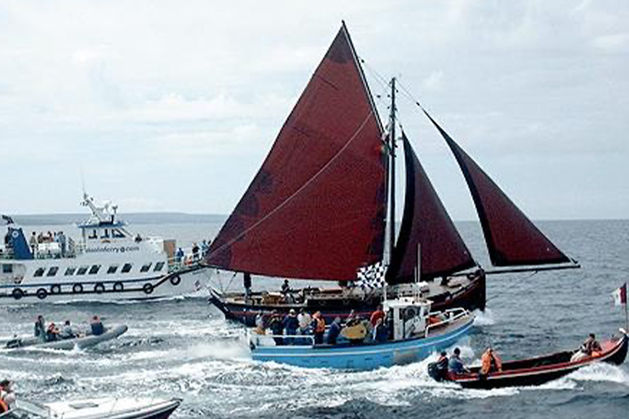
(512, 239)
(316, 208)
(426, 224)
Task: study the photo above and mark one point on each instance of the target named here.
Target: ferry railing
(451, 315)
(264, 340)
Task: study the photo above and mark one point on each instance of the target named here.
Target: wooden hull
(540, 370)
(470, 297)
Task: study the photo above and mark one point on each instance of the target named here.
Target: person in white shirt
(304, 320)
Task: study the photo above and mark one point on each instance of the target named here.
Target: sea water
(183, 347)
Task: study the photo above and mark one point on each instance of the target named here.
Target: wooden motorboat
(542, 369)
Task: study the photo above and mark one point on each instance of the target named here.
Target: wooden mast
(392, 170)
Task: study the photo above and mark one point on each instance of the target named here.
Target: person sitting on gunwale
(97, 326)
(590, 347)
(334, 331)
(455, 365)
(490, 361)
(290, 323)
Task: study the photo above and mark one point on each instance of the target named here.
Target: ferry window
(39, 272)
(115, 233)
(70, 271)
(7, 268)
(146, 267)
(112, 269)
(53, 271)
(82, 270)
(126, 268)
(94, 269)
(158, 266)
(105, 234)
(93, 235)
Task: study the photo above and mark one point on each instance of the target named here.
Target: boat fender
(99, 288)
(77, 288)
(118, 286)
(148, 288)
(42, 293)
(55, 289)
(17, 293)
(175, 280)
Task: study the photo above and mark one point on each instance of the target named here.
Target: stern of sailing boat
(619, 353)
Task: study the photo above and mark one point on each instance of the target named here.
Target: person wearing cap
(97, 326)
(7, 396)
(291, 324)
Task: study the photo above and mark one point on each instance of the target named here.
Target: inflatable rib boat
(81, 342)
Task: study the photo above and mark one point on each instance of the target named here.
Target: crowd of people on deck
(53, 332)
(40, 238)
(196, 254)
(291, 328)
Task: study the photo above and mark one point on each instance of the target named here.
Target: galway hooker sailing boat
(317, 210)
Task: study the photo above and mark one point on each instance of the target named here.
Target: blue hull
(360, 357)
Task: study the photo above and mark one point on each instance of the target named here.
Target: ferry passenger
(33, 243)
(7, 396)
(291, 324)
(195, 251)
(380, 332)
(61, 238)
(67, 332)
(376, 315)
(334, 331)
(490, 361)
(318, 325)
(304, 320)
(40, 328)
(455, 365)
(179, 255)
(97, 326)
(204, 247)
(52, 333)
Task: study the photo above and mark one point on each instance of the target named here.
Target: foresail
(426, 224)
(512, 239)
(316, 208)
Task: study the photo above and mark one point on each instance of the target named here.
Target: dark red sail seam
(425, 223)
(512, 239)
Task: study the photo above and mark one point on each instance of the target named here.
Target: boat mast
(392, 170)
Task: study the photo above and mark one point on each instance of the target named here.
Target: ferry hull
(359, 357)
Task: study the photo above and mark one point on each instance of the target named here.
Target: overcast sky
(173, 105)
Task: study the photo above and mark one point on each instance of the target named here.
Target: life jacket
(320, 325)
(4, 407)
(490, 362)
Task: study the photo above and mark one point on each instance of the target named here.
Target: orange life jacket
(320, 325)
(490, 362)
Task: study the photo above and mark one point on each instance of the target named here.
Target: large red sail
(316, 208)
(512, 239)
(426, 224)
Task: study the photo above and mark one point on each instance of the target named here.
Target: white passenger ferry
(108, 263)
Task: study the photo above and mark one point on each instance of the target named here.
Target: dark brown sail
(316, 208)
(425, 223)
(512, 239)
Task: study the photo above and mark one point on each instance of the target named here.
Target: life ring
(77, 288)
(55, 289)
(118, 286)
(148, 288)
(42, 293)
(17, 293)
(175, 280)
(99, 288)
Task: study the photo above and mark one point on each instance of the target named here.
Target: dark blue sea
(185, 348)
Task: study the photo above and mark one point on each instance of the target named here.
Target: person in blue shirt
(291, 324)
(455, 365)
(334, 331)
(97, 326)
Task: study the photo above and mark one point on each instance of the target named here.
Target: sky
(162, 105)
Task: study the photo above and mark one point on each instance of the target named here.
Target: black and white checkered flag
(371, 276)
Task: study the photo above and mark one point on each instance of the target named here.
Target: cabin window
(126, 268)
(94, 269)
(146, 267)
(158, 266)
(70, 271)
(82, 270)
(53, 271)
(112, 269)
(39, 272)
(105, 234)
(7, 268)
(93, 235)
(117, 234)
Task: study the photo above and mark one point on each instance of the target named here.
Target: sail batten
(511, 238)
(315, 210)
(425, 224)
